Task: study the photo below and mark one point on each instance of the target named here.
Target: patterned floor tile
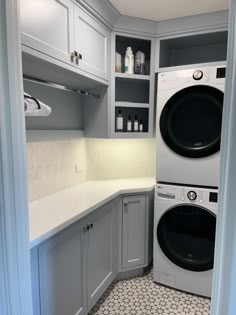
(141, 296)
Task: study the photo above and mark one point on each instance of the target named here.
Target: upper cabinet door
(47, 26)
(92, 41)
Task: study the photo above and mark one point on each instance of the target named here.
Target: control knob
(197, 75)
(192, 195)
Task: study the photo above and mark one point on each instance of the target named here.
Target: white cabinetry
(47, 26)
(92, 41)
(65, 32)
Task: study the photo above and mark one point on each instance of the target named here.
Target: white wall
(116, 158)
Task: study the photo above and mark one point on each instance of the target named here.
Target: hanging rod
(59, 86)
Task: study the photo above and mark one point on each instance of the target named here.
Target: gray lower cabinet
(136, 232)
(100, 246)
(61, 270)
(72, 270)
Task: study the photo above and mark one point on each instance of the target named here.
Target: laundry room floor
(140, 295)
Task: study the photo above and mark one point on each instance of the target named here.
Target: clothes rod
(59, 86)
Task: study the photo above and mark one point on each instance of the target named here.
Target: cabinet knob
(125, 204)
(80, 56)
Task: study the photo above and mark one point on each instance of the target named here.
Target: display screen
(213, 197)
(220, 73)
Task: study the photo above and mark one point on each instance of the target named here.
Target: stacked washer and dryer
(188, 132)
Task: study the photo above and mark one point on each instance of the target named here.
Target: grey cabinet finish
(47, 26)
(99, 252)
(92, 41)
(61, 270)
(134, 216)
(71, 271)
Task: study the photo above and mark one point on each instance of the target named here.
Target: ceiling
(159, 10)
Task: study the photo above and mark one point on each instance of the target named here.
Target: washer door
(190, 122)
(186, 235)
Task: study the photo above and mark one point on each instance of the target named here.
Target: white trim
(224, 280)
(15, 286)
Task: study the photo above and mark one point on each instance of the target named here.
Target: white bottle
(119, 121)
(129, 61)
(118, 62)
(129, 124)
(141, 126)
(136, 123)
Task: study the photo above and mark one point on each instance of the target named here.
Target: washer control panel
(185, 194)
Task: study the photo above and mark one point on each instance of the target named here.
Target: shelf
(131, 104)
(131, 135)
(194, 49)
(132, 76)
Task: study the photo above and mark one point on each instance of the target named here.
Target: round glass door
(186, 235)
(190, 122)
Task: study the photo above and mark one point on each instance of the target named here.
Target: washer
(184, 237)
(189, 114)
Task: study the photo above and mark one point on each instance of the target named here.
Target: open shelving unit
(133, 94)
(179, 52)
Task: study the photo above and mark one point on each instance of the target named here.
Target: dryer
(188, 125)
(184, 237)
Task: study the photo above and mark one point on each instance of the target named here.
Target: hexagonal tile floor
(141, 296)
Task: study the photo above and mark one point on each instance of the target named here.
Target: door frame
(15, 279)
(14, 226)
(224, 276)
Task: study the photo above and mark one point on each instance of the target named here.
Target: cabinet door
(47, 26)
(99, 246)
(61, 271)
(92, 41)
(134, 231)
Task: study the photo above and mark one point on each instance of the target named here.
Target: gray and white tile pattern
(141, 296)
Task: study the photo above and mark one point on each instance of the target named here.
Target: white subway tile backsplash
(52, 166)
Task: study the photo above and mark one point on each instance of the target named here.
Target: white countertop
(55, 212)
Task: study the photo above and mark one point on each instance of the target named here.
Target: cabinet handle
(90, 226)
(86, 227)
(72, 55)
(78, 57)
(125, 204)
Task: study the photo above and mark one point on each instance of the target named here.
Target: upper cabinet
(92, 42)
(47, 26)
(64, 31)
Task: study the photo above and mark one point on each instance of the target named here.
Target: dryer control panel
(185, 194)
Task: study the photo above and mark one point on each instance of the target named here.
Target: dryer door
(190, 122)
(186, 235)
